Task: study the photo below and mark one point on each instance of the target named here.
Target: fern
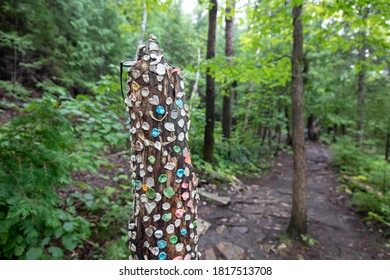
(34, 161)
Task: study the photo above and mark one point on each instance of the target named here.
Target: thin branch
(279, 58)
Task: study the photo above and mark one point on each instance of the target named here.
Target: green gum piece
(176, 149)
(195, 223)
(166, 217)
(152, 159)
(173, 239)
(150, 193)
(169, 192)
(162, 178)
(137, 184)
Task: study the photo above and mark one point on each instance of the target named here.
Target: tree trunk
(361, 84)
(143, 25)
(248, 107)
(194, 93)
(164, 224)
(208, 154)
(387, 153)
(288, 129)
(250, 94)
(278, 127)
(310, 121)
(360, 95)
(298, 221)
(229, 52)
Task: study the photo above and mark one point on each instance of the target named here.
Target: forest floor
(253, 225)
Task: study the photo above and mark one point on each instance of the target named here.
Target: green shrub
(370, 169)
(347, 157)
(34, 161)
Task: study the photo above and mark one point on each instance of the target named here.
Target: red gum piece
(188, 158)
(175, 70)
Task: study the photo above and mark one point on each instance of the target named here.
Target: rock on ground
(231, 251)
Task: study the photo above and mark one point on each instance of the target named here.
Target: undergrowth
(44, 214)
(370, 169)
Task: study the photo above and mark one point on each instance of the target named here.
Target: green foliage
(347, 157)
(308, 241)
(59, 40)
(14, 90)
(369, 169)
(34, 161)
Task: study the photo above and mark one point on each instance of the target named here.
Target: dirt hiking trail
(252, 226)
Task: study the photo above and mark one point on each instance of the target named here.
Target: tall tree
(229, 52)
(361, 80)
(210, 86)
(298, 220)
(143, 25)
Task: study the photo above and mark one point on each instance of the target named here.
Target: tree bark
(164, 223)
(310, 121)
(208, 153)
(288, 126)
(143, 25)
(298, 221)
(250, 97)
(361, 84)
(387, 153)
(229, 52)
(361, 93)
(194, 93)
(278, 127)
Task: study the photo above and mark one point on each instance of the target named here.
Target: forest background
(64, 140)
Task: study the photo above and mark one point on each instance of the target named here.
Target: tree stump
(164, 223)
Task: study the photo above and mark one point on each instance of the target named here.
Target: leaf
(56, 252)
(59, 232)
(68, 226)
(69, 201)
(33, 253)
(68, 241)
(30, 107)
(19, 250)
(45, 241)
(3, 237)
(88, 196)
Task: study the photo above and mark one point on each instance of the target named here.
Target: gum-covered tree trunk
(164, 223)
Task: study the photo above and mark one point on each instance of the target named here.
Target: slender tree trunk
(310, 121)
(249, 105)
(298, 220)
(194, 93)
(229, 52)
(208, 154)
(288, 127)
(387, 153)
(278, 127)
(164, 223)
(264, 135)
(143, 25)
(15, 58)
(360, 94)
(361, 84)
(250, 93)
